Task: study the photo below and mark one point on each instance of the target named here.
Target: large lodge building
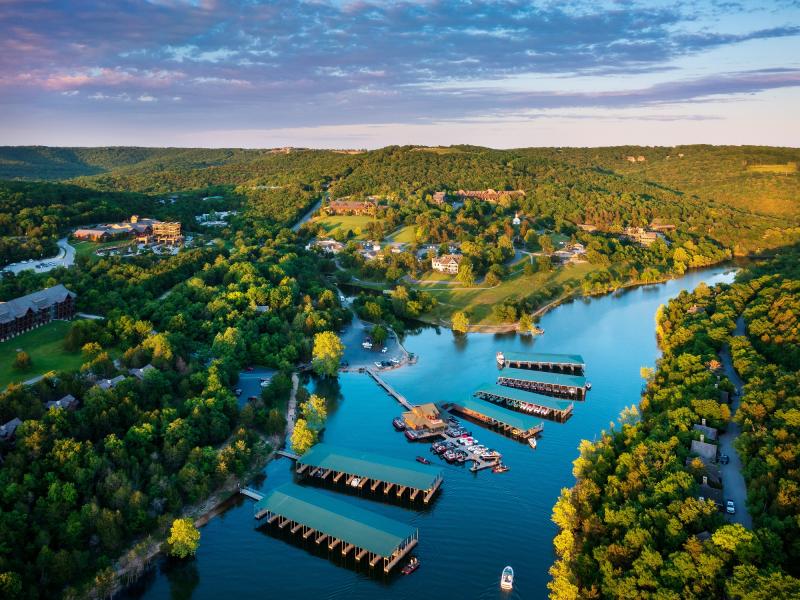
(29, 312)
(351, 207)
(143, 229)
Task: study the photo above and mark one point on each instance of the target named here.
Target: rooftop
(36, 301)
(545, 357)
(336, 518)
(523, 396)
(498, 413)
(578, 381)
(373, 466)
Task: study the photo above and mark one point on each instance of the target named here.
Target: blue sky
(366, 74)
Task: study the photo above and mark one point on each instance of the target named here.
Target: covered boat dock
(548, 383)
(514, 424)
(313, 515)
(543, 361)
(528, 403)
(376, 472)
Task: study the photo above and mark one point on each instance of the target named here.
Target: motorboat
(355, 482)
(423, 460)
(532, 442)
(412, 566)
(500, 468)
(449, 456)
(501, 359)
(398, 424)
(507, 579)
(588, 385)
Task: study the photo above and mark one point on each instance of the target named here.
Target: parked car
(724, 459)
(730, 507)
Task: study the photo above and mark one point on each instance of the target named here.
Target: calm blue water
(480, 522)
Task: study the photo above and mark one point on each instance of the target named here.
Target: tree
(379, 334)
(525, 323)
(23, 361)
(315, 411)
(303, 437)
(460, 322)
(328, 352)
(546, 243)
(184, 538)
(466, 275)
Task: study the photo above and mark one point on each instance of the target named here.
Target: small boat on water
(423, 460)
(412, 566)
(500, 468)
(532, 442)
(449, 456)
(588, 385)
(501, 359)
(507, 579)
(399, 424)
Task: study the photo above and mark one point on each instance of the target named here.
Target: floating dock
(561, 385)
(514, 424)
(392, 392)
(365, 470)
(542, 361)
(528, 403)
(344, 528)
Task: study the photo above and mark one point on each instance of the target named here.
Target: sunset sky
(367, 74)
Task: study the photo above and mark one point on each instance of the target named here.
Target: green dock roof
(373, 466)
(576, 381)
(498, 413)
(336, 518)
(523, 396)
(545, 357)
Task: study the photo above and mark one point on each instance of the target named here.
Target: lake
(480, 522)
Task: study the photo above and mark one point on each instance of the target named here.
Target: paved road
(733, 481)
(64, 258)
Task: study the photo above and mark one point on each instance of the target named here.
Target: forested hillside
(633, 525)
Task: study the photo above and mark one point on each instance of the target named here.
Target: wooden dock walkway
(287, 454)
(251, 493)
(392, 392)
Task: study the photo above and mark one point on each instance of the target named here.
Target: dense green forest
(632, 526)
(78, 487)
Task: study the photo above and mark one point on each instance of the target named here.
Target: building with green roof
(530, 403)
(343, 526)
(359, 469)
(513, 423)
(543, 361)
(546, 382)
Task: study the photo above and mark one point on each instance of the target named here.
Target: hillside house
(640, 235)
(449, 263)
(489, 195)
(9, 430)
(68, 402)
(439, 197)
(33, 310)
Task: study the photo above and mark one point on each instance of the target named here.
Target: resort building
(707, 452)
(110, 384)
(167, 233)
(137, 227)
(68, 402)
(439, 197)
(351, 207)
(326, 246)
(709, 433)
(424, 417)
(640, 235)
(141, 373)
(489, 195)
(29, 312)
(449, 263)
(8, 430)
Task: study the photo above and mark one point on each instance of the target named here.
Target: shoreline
(131, 564)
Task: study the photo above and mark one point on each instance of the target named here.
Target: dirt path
(733, 481)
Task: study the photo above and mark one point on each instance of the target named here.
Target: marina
(528, 403)
(615, 335)
(381, 475)
(345, 529)
(548, 383)
(543, 361)
(511, 423)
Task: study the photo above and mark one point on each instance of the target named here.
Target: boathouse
(517, 425)
(424, 417)
(536, 405)
(342, 527)
(378, 473)
(542, 361)
(561, 385)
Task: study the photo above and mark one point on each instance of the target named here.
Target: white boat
(588, 385)
(532, 442)
(507, 578)
(500, 359)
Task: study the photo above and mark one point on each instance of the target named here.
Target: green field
(478, 302)
(336, 224)
(46, 348)
(780, 169)
(405, 235)
(87, 248)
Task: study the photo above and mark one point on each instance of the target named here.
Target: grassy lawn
(341, 224)
(785, 169)
(479, 302)
(87, 248)
(46, 348)
(404, 235)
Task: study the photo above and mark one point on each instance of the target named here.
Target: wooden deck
(391, 391)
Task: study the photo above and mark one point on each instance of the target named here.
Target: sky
(366, 74)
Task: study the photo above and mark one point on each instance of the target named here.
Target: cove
(480, 522)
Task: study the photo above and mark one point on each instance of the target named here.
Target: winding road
(733, 481)
(64, 258)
